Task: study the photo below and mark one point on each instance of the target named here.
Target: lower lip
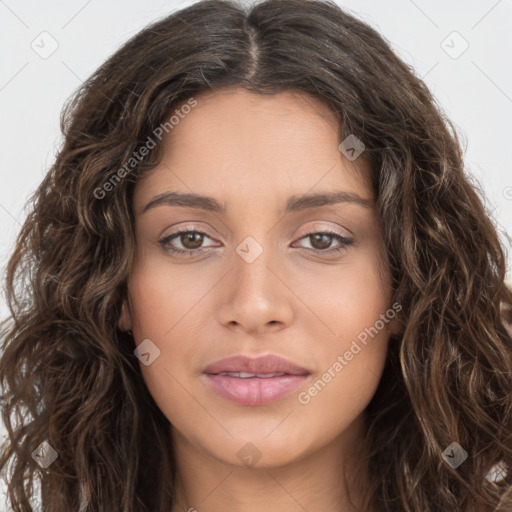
(254, 390)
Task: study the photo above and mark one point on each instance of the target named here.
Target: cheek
(348, 376)
(356, 306)
(164, 297)
(163, 306)
(350, 299)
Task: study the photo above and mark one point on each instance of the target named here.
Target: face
(306, 283)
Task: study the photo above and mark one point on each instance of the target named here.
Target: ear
(125, 320)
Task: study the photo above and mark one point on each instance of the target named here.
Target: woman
(257, 278)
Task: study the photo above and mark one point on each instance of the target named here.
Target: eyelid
(317, 227)
(342, 240)
(320, 226)
(170, 231)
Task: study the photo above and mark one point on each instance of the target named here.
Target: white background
(475, 89)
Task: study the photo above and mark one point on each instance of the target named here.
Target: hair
(68, 373)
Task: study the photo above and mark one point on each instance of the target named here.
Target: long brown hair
(69, 375)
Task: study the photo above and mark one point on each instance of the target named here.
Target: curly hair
(69, 376)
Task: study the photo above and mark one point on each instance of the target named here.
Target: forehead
(245, 118)
(234, 142)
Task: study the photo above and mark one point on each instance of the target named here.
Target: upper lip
(264, 364)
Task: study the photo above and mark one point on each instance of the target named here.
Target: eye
(322, 240)
(191, 241)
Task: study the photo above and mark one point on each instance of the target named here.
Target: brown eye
(191, 242)
(191, 239)
(321, 240)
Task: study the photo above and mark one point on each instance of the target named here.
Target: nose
(256, 296)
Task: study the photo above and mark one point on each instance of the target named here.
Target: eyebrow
(294, 204)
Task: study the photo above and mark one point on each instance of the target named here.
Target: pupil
(326, 243)
(189, 237)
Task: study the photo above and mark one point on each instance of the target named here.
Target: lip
(255, 391)
(264, 364)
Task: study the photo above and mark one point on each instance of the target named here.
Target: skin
(294, 300)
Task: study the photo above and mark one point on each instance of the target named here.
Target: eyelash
(166, 240)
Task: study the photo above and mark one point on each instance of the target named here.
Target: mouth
(246, 375)
(260, 381)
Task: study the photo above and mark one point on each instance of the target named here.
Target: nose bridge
(252, 262)
(255, 297)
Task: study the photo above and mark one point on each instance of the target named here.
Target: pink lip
(264, 364)
(255, 390)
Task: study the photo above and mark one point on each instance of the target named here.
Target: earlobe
(125, 320)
